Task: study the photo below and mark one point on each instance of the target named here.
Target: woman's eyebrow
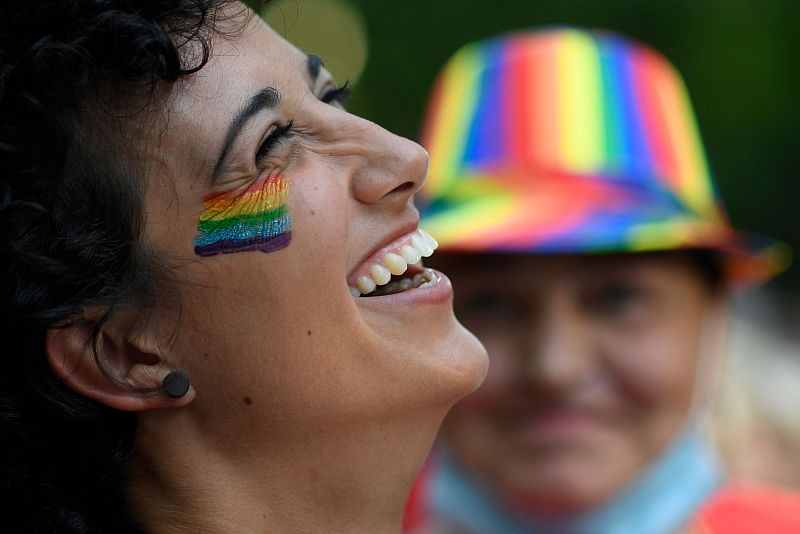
(267, 98)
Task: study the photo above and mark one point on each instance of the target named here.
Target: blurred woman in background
(592, 256)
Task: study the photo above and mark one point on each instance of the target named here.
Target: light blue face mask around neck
(661, 500)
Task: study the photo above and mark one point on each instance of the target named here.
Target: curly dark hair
(72, 72)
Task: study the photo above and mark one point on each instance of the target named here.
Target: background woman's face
(593, 363)
(276, 346)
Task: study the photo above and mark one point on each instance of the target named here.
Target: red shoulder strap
(750, 509)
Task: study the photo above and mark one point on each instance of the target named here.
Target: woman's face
(276, 346)
(593, 366)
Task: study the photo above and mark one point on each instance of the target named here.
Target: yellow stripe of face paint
(247, 204)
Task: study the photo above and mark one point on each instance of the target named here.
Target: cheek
(244, 306)
(260, 316)
(320, 207)
(264, 333)
(655, 365)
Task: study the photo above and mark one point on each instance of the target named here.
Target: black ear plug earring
(176, 384)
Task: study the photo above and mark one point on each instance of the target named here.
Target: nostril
(404, 187)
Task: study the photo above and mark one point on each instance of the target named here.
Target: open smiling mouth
(397, 268)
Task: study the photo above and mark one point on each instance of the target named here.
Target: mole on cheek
(248, 400)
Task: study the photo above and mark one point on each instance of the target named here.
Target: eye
(337, 95)
(274, 137)
(490, 305)
(616, 298)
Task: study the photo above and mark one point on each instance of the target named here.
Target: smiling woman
(579, 220)
(185, 202)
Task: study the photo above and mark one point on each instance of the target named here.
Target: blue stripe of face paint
(245, 231)
(487, 132)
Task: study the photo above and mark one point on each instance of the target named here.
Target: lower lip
(439, 293)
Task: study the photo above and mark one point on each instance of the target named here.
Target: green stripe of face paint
(251, 219)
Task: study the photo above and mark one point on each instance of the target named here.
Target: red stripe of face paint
(259, 184)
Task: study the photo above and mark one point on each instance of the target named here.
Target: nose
(558, 354)
(391, 168)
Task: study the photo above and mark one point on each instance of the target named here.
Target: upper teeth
(396, 262)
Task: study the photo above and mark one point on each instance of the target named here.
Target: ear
(125, 372)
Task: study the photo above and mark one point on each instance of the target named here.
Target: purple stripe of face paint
(246, 245)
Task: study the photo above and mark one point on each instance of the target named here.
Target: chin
(444, 360)
(450, 367)
(563, 487)
(462, 362)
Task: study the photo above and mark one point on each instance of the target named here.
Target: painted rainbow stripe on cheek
(246, 219)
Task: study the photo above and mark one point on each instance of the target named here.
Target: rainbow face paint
(251, 218)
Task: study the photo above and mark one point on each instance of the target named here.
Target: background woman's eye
(337, 95)
(490, 306)
(615, 298)
(272, 139)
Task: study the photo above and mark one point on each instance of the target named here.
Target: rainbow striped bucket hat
(569, 141)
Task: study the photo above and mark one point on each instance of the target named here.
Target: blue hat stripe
(487, 132)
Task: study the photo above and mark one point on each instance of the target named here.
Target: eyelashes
(272, 139)
(337, 95)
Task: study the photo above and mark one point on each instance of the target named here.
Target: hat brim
(592, 217)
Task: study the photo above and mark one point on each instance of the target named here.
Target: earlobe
(124, 374)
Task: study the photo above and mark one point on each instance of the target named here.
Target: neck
(342, 480)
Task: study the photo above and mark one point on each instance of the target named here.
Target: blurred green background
(739, 58)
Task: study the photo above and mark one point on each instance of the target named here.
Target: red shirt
(747, 508)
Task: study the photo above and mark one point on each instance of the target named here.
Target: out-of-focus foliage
(333, 29)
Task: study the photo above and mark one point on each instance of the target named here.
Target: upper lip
(396, 233)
